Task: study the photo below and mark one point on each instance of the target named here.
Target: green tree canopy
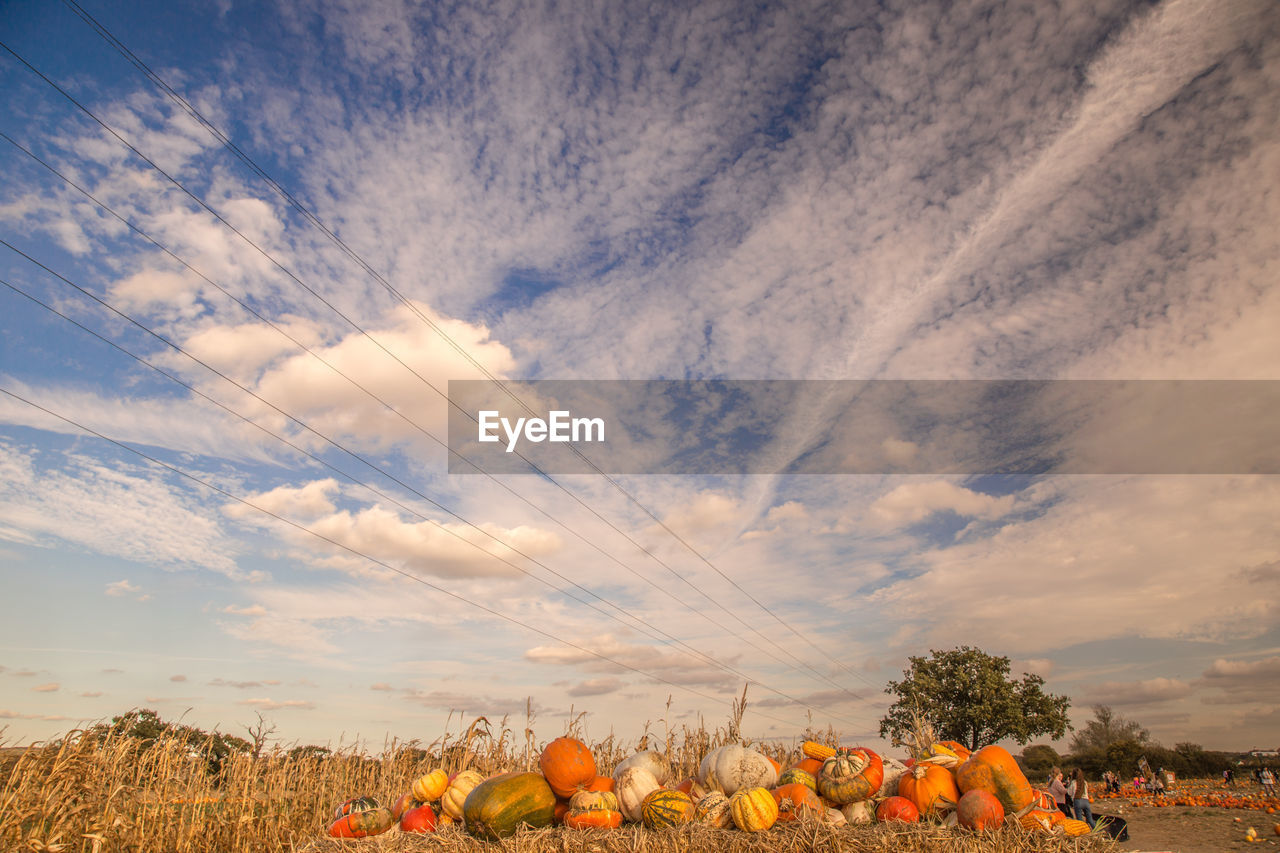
(1106, 729)
(968, 696)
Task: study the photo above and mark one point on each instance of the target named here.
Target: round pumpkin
(600, 783)
(897, 809)
(632, 787)
(462, 783)
(753, 809)
(812, 766)
(731, 768)
(648, 760)
(362, 824)
(419, 819)
(593, 809)
(666, 807)
(993, 769)
(851, 775)
(931, 787)
(429, 788)
(404, 804)
(497, 807)
(713, 809)
(979, 810)
(796, 800)
(567, 765)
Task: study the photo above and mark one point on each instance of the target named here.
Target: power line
(410, 510)
(356, 552)
(435, 327)
(250, 163)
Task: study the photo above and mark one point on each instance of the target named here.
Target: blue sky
(790, 191)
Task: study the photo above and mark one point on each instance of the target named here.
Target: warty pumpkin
(731, 768)
(713, 809)
(753, 809)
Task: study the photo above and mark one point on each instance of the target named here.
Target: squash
(796, 800)
(753, 809)
(993, 769)
(429, 788)
(632, 787)
(362, 824)
(355, 806)
(851, 775)
(863, 811)
(893, 770)
(404, 804)
(567, 765)
(897, 809)
(600, 783)
(497, 807)
(593, 809)
(731, 768)
(665, 807)
(713, 809)
(812, 766)
(455, 795)
(796, 775)
(419, 819)
(979, 809)
(835, 816)
(647, 760)
(931, 787)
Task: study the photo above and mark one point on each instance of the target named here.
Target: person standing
(1059, 792)
(1080, 797)
(1268, 781)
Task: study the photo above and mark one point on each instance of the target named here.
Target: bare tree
(258, 734)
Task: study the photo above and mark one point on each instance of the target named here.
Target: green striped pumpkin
(355, 806)
(796, 775)
(497, 807)
(666, 807)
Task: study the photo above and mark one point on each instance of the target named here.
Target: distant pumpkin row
(736, 786)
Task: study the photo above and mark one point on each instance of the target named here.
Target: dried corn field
(97, 792)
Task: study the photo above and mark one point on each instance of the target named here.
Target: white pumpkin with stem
(732, 768)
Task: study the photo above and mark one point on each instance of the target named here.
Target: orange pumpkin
(993, 769)
(812, 766)
(930, 787)
(568, 765)
(962, 752)
(979, 810)
(897, 809)
(797, 800)
(429, 788)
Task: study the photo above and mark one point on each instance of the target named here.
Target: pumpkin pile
(735, 787)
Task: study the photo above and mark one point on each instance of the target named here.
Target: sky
(246, 247)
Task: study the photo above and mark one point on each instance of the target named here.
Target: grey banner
(735, 427)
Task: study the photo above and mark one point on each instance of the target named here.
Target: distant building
(1264, 753)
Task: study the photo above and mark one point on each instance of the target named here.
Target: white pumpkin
(648, 760)
(836, 817)
(893, 770)
(631, 787)
(731, 768)
(859, 812)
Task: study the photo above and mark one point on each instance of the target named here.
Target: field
(96, 791)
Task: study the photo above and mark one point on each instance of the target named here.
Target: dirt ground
(1194, 830)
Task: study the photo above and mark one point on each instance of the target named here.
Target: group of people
(1262, 775)
(1071, 795)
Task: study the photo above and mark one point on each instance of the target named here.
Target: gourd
(930, 787)
(567, 765)
(898, 809)
(497, 807)
(851, 775)
(713, 809)
(860, 812)
(993, 769)
(355, 806)
(362, 824)
(796, 800)
(731, 768)
(429, 788)
(753, 809)
(796, 775)
(979, 809)
(593, 809)
(665, 807)
(632, 787)
(456, 794)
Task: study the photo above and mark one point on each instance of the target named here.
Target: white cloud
(912, 502)
(1144, 692)
(121, 588)
(51, 687)
(265, 704)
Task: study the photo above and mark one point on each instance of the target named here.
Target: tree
(1105, 729)
(1040, 758)
(966, 695)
